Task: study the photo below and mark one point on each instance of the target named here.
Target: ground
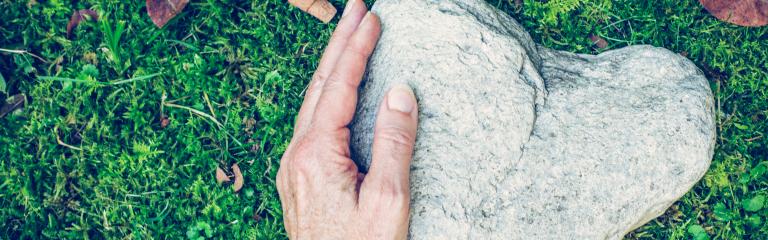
(124, 127)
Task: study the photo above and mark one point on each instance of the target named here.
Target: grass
(89, 156)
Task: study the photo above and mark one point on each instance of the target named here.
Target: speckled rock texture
(517, 141)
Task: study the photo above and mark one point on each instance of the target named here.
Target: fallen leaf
(748, 13)
(321, 9)
(162, 11)
(79, 16)
(13, 103)
(164, 121)
(238, 178)
(598, 41)
(221, 176)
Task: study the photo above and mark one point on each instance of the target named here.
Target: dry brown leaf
(321, 9)
(238, 178)
(162, 11)
(79, 16)
(599, 42)
(221, 176)
(748, 13)
(164, 122)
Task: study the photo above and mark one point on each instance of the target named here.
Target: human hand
(322, 193)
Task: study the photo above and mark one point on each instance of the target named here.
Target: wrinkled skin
(322, 193)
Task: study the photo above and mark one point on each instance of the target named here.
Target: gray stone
(517, 141)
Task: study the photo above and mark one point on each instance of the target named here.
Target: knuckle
(281, 188)
(396, 138)
(329, 140)
(318, 78)
(358, 50)
(340, 142)
(302, 166)
(338, 81)
(279, 178)
(320, 154)
(343, 165)
(393, 194)
(300, 160)
(301, 144)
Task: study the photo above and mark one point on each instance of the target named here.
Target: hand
(322, 193)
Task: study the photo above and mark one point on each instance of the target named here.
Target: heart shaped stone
(517, 141)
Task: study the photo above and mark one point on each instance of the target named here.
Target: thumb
(393, 140)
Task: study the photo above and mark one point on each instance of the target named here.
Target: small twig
(185, 37)
(17, 101)
(62, 143)
(98, 83)
(269, 168)
(22, 52)
(162, 103)
(204, 115)
(234, 138)
(213, 113)
(133, 79)
(754, 138)
(195, 111)
(178, 99)
(141, 194)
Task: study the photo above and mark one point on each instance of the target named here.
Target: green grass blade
(133, 79)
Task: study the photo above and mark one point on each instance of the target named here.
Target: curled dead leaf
(79, 16)
(164, 121)
(162, 11)
(221, 176)
(321, 9)
(598, 41)
(748, 13)
(238, 178)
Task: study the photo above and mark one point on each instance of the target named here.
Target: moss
(90, 160)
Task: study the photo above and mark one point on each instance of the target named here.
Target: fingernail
(401, 98)
(350, 4)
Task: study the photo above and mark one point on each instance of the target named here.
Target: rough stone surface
(517, 141)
